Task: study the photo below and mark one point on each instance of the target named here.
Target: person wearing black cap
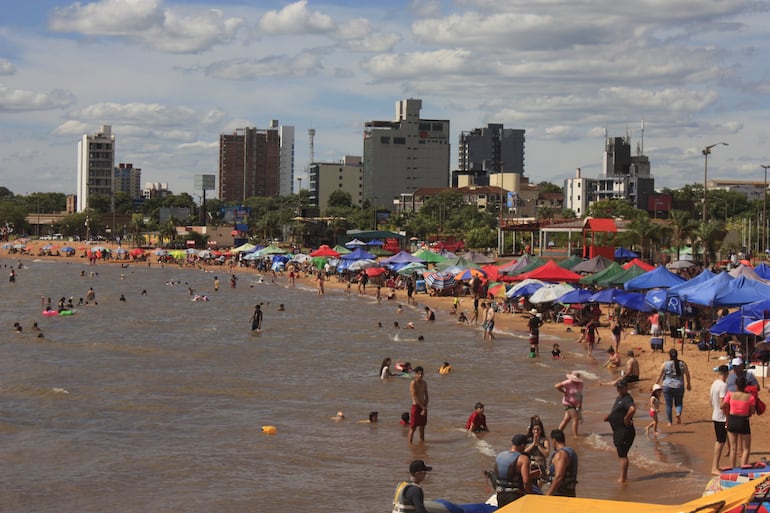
(409, 497)
(477, 422)
(621, 419)
(511, 472)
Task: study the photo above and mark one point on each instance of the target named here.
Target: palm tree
(710, 234)
(645, 232)
(682, 228)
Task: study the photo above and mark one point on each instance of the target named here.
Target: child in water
(445, 368)
(657, 390)
(556, 352)
(532, 351)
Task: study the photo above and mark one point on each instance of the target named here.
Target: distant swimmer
(256, 318)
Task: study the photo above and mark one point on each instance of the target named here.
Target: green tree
(612, 208)
(546, 187)
(682, 228)
(710, 235)
(340, 198)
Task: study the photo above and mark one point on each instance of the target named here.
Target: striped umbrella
(440, 280)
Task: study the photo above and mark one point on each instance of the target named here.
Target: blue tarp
(763, 271)
(658, 278)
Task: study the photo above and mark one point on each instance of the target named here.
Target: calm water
(156, 404)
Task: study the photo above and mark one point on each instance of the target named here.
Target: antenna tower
(311, 135)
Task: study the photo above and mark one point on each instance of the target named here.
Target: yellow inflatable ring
(269, 430)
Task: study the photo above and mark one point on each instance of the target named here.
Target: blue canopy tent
(703, 277)
(763, 271)
(634, 301)
(704, 293)
(576, 296)
(658, 278)
(358, 254)
(401, 259)
(741, 291)
(758, 310)
(658, 300)
(731, 324)
(622, 252)
(606, 296)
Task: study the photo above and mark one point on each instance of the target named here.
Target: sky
(171, 76)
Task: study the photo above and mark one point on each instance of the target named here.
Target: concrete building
(752, 189)
(249, 164)
(484, 151)
(623, 176)
(327, 177)
(156, 190)
(128, 179)
(404, 155)
(96, 159)
(285, 157)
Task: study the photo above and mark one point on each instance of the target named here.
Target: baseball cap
(736, 361)
(418, 466)
(519, 440)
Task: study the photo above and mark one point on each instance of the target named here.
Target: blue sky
(171, 76)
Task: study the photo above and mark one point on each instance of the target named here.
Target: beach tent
(533, 264)
(530, 285)
(458, 262)
(763, 271)
(703, 293)
(658, 278)
(478, 258)
(741, 291)
(613, 269)
(570, 262)
(400, 259)
(358, 254)
(324, 251)
(622, 252)
(380, 251)
(355, 243)
(621, 278)
(243, 248)
(549, 292)
(634, 301)
(516, 266)
(376, 242)
(703, 277)
(758, 310)
(492, 271)
(606, 296)
(747, 272)
(342, 250)
(357, 265)
(680, 264)
(413, 267)
(638, 263)
(731, 324)
(575, 296)
(550, 272)
(429, 257)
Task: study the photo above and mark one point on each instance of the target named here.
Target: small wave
(58, 390)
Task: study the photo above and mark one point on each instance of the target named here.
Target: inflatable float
(269, 430)
(67, 312)
(730, 477)
(50, 313)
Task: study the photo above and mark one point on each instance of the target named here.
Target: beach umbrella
(191, 251)
(440, 280)
(342, 250)
(413, 267)
(98, 249)
(301, 258)
(134, 252)
(159, 252)
(760, 327)
(7, 245)
(205, 253)
(68, 249)
(19, 246)
(374, 271)
(429, 257)
(549, 292)
(46, 247)
(324, 251)
(469, 273)
(361, 264)
(121, 251)
(575, 297)
(680, 264)
(497, 290)
(532, 283)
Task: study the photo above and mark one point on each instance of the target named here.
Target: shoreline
(695, 433)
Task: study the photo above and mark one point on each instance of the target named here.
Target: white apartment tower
(96, 160)
(286, 157)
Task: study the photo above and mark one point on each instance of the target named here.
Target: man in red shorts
(418, 389)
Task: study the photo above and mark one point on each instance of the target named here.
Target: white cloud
(296, 19)
(272, 66)
(147, 22)
(417, 63)
(6, 67)
(19, 100)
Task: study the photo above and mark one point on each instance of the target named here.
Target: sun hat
(656, 387)
(533, 311)
(574, 376)
(418, 466)
(737, 361)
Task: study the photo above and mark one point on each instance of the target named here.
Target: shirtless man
(418, 389)
(489, 323)
(631, 371)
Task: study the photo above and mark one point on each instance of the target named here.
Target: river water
(156, 404)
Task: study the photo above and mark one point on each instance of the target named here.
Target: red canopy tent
(550, 272)
(324, 251)
(638, 263)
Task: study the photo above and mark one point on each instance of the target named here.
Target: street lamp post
(706, 152)
(299, 195)
(764, 208)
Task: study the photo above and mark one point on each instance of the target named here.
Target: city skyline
(171, 77)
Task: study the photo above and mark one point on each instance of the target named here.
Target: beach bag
(760, 406)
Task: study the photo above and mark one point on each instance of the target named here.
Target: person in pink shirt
(572, 400)
(738, 407)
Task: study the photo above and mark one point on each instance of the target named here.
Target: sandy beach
(696, 430)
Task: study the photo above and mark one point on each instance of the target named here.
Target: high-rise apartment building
(249, 164)
(404, 155)
(483, 151)
(96, 159)
(128, 179)
(286, 158)
(327, 177)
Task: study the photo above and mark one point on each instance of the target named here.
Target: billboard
(204, 182)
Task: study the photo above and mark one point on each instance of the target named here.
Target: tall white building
(96, 160)
(579, 193)
(286, 156)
